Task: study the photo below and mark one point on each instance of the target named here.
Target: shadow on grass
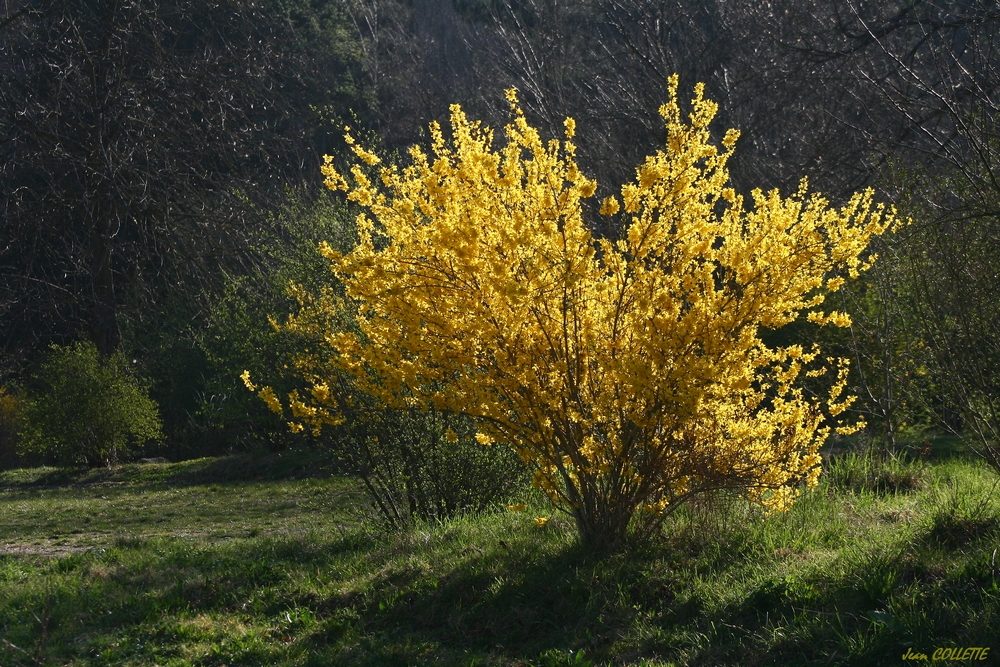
(940, 590)
(447, 595)
(512, 608)
(238, 468)
(522, 606)
(496, 606)
(868, 609)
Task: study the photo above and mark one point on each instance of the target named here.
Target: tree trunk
(105, 331)
(602, 529)
(104, 225)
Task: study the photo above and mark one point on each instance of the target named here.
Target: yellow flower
(570, 127)
(520, 507)
(245, 376)
(540, 521)
(477, 287)
(267, 395)
(609, 206)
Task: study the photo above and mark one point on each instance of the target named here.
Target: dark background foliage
(159, 159)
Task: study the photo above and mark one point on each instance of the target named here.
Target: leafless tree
(135, 136)
(933, 69)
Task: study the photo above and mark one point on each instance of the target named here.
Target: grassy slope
(250, 560)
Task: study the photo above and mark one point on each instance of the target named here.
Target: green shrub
(426, 465)
(84, 409)
(239, 334)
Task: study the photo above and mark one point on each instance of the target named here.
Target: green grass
(274, 561)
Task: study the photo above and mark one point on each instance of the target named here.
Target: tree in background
(630, 375)
(889, 370)
(955, 257)
(87, 408)
(139, 141)
(239, 334)
(934, 68)
(12, 406)
(606, 63)
(144, 146)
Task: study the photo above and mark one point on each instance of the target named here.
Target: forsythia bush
(629, 373)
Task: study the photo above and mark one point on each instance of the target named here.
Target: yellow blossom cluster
(629, 372)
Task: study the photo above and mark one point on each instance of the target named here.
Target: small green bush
(84, 409)
(412, 469)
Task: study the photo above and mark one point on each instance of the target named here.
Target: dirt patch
(46, 549)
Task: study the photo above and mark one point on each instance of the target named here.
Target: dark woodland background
(160, 185)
